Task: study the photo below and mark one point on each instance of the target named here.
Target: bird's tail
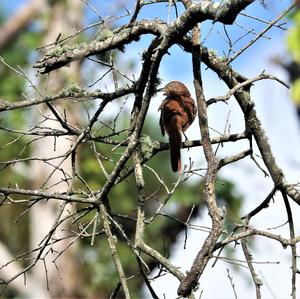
(175, 145)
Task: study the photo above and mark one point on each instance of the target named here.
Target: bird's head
(175, 88)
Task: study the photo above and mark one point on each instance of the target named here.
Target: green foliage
(13, 145)
(293, 42)
(296, 92)
(294, 37)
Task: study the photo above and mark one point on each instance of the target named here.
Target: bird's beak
(160, 89)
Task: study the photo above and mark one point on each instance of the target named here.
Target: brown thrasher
(178, 111)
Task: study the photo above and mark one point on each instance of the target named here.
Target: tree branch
(224, 12)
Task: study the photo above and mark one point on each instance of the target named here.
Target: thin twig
(231, 283)
(246, 83)
(257, 282)
(113, 250)
(293, 247)
(271, 24)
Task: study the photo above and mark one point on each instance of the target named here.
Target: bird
(178, 111)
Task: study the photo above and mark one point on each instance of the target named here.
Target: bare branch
(255, 278)
(246, 83)
(190, 281)
(224, 12)
(112, 245)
